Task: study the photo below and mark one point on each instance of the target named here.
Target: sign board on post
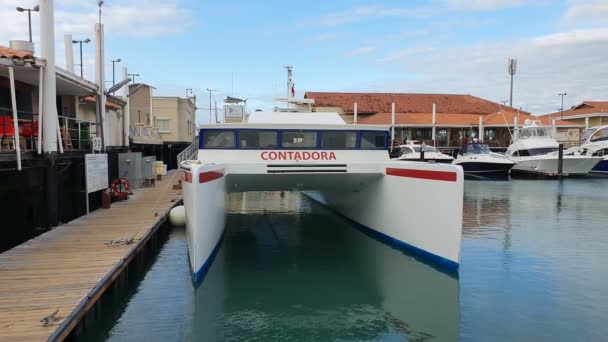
(96, 173)
(96, 144)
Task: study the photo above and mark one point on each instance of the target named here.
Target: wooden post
(560, 160)
(355, 114)
(11, 76)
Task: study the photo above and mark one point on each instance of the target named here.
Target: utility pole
(210, 91)
(562, 107)
(114, 61)
(512, 72)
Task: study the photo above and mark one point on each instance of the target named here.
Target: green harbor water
(533, 268)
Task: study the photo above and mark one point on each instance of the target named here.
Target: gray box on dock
(147, 167)
(129, 167)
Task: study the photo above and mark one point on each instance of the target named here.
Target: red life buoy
(120, 189)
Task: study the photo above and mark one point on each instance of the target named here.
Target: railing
(76, 134)
(189, 152)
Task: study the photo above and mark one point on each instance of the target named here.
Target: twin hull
(397, 200)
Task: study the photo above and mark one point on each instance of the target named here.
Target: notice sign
(96, 171)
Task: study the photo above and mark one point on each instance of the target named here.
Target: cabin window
(338, 140)
(601, 153)
(299, 139)
(219, 139)
(258, 139)
(373, 140)
(534, 152)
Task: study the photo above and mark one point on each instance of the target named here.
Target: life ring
(120, 189)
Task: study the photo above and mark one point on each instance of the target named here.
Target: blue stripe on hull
(601, 166)
(199, 275)
(436, 260)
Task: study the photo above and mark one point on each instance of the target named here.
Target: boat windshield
(587, 135)
(426, 149)
(534, 132)
(476, 149)
(600, 135)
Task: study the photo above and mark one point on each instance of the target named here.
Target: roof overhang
(67, 83)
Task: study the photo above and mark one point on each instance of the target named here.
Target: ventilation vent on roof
(22, 45)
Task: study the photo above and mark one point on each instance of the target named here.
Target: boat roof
(296, 118)
(308, 121)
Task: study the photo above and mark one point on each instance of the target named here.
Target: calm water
(533, 268)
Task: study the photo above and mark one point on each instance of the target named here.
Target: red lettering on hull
(297, 155)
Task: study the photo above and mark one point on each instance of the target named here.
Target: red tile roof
(6, 52)
(405, 102)
(585, 107)
(456, 119)
(109, 104)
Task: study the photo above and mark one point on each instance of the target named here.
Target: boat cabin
(595, 134)
(292, 139)
(474, 148)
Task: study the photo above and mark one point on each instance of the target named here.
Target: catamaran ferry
(413, 205)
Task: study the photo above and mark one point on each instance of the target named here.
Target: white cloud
(121, 18)
(325, 37)
(364, 50)
(363, 12)
(586, 12)
(484, 5)
(571, 61)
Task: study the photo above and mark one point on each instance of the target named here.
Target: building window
(299, 139)
(338, 140)
(258, 139)
(163, 125)
(188, 127)
(148, 122)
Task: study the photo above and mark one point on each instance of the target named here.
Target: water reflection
(304, 274)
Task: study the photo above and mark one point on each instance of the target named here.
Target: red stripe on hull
(208, 176)
(445, 176)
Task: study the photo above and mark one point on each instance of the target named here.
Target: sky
(239, 48)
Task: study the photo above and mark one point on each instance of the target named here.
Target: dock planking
(70, 266)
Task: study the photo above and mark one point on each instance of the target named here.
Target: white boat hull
(391, 198)
(204, 190)
(547, 165)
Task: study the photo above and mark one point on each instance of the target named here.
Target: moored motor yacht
(536, 152)
(412, 152)
(594, 143)
(477, 160)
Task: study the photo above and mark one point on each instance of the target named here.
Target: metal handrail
(189, 152)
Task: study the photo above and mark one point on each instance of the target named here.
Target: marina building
(174, 118)
(445, 120)
(583, 115)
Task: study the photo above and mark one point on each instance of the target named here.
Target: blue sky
(433, 46)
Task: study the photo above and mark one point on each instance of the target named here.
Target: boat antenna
(502, 113)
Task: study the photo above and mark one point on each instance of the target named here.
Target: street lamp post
(86, 41)
(562, 107)
(210, 90)
(133, 75)
(113, 71)
(29, 16)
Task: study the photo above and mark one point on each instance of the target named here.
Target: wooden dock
(71, 266)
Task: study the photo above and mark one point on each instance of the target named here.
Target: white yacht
(477, 160)
(411, 152)
(594, 143)
(536, 152)
(345, 167)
